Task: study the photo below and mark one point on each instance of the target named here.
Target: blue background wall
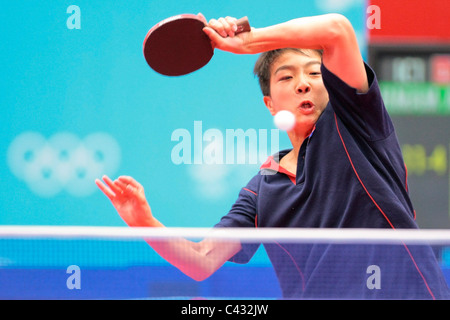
(61, 86)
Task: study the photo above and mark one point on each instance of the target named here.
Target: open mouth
(306, 105)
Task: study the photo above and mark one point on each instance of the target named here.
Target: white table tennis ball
(284, 120)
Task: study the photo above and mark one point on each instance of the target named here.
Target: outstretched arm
(333, 33)
(196, 260)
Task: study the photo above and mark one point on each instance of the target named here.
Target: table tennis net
(117, 263)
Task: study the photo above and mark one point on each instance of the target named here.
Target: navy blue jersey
(350, 174)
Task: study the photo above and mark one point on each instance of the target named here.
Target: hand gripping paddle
(177, 45)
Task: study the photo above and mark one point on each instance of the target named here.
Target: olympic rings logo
(63, 161)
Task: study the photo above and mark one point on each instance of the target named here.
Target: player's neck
(289, 162)
(297, 139)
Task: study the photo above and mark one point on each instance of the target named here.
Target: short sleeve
(365, 113)
(243, 215)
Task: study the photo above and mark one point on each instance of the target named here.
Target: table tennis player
(344, 170)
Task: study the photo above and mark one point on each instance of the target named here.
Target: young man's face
(296, 85)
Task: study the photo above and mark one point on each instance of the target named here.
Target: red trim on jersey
(250, 191)
(275, 166)
(295, 264)
(378, 207)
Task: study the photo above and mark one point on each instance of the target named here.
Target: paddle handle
(243, 25)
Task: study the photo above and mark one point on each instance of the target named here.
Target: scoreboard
(414, 75)
(415, 84)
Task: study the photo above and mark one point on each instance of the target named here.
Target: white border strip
(297, 235)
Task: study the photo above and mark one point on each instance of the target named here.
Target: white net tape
(304, 263)
(297, 235)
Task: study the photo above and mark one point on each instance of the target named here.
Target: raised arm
(196, 260)
(333, 33)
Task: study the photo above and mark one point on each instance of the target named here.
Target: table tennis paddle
(177, 45)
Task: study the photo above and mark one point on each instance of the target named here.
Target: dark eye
(285, 78)
(315, 73)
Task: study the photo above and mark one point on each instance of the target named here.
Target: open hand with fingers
(128, 197)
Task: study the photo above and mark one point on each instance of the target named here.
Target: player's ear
(269, 104)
